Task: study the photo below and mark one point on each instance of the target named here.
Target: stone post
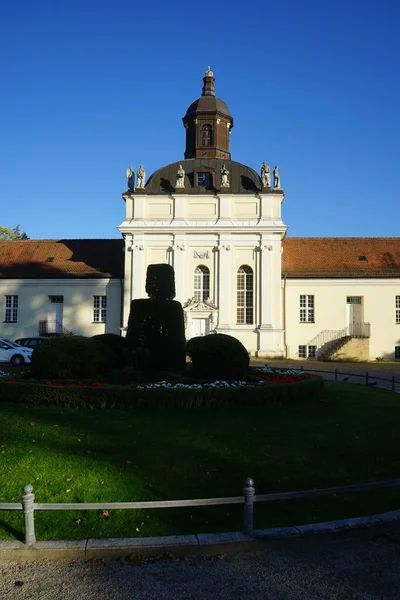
(248, 492)
(28, 500)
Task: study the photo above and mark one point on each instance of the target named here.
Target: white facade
(221, 232)
(338, 303)
(60, 305)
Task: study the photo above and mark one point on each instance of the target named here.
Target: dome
(208, 104)
(242, 179)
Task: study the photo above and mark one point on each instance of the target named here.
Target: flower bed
(89, 394)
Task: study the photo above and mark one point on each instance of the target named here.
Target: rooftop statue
(265, 175)
(277, 179)
(141, 176)
(224, 178)
(180, 179)
(131, 179)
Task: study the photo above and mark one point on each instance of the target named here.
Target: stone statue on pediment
(180, 178)
(277, 179)
(265, 175)
(131, 179)
(140, 178)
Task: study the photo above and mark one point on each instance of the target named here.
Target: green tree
(12, 234)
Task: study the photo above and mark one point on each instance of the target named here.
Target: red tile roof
(61, 259)
(302, 258)
(340, 257)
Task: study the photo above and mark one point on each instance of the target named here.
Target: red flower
(48, 383)
(96, 384)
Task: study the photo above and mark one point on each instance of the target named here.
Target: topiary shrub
(160, 282)
(218, 356)
(155, 337)
(113, 341)
(67, 357)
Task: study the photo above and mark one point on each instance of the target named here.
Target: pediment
(196, 305)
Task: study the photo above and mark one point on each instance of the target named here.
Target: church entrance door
(200, 327)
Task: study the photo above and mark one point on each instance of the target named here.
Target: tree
(12, 234)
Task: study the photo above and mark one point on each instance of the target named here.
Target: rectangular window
(397, 352)
(204, 180)
(306, 309)
(99, 309)
(302, 351)
(397, 309)
(11, 315)
(312, 351)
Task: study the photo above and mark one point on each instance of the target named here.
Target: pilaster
(225, 286)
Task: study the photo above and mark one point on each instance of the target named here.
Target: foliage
(160, 282)
(12, 234)
(218, 356)
(71, 356)
(116, 342)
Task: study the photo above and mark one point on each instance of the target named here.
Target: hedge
(125, 397)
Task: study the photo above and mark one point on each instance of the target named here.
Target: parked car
(30, 342)
(14, 354)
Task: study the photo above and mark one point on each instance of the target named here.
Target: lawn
(347, 435)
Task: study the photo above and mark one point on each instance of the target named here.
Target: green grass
(347, 435)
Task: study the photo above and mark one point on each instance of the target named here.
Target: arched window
(201, 283)
(245, 295)
(206, 135)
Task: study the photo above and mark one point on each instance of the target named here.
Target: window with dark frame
(204, 180)
(245, 296)
(201, 283)
(302, 351)
(397, 309)
(11, 312)
(312, 351)
(397, 352)
(99, 309)
(206, 136)
(306, 309)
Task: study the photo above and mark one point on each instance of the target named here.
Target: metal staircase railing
(53, 327)
(330, 340)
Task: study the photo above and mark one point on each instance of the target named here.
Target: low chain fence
(249, 497)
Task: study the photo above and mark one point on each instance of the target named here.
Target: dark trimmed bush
(218, 356)
(67, 357)
(155, 338)
(116, 342)
(116, 396)
(160, 282)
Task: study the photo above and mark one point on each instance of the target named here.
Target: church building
(219, 224)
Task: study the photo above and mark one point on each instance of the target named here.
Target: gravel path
(362, 565)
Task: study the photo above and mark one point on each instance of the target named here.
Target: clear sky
(90, 88)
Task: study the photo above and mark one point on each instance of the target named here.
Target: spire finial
(208, 83)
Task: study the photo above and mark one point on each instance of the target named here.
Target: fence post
(393, 386)
(335, 374)
(28, 500)
(366, 378)
(248, 492)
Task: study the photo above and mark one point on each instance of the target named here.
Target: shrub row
(113, 396)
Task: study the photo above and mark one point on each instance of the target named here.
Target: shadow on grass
(176, 454)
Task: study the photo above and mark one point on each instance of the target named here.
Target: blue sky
(90, 88)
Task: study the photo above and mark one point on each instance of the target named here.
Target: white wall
(33, 305)
(331, 311)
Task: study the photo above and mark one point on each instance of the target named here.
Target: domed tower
(208, 124)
